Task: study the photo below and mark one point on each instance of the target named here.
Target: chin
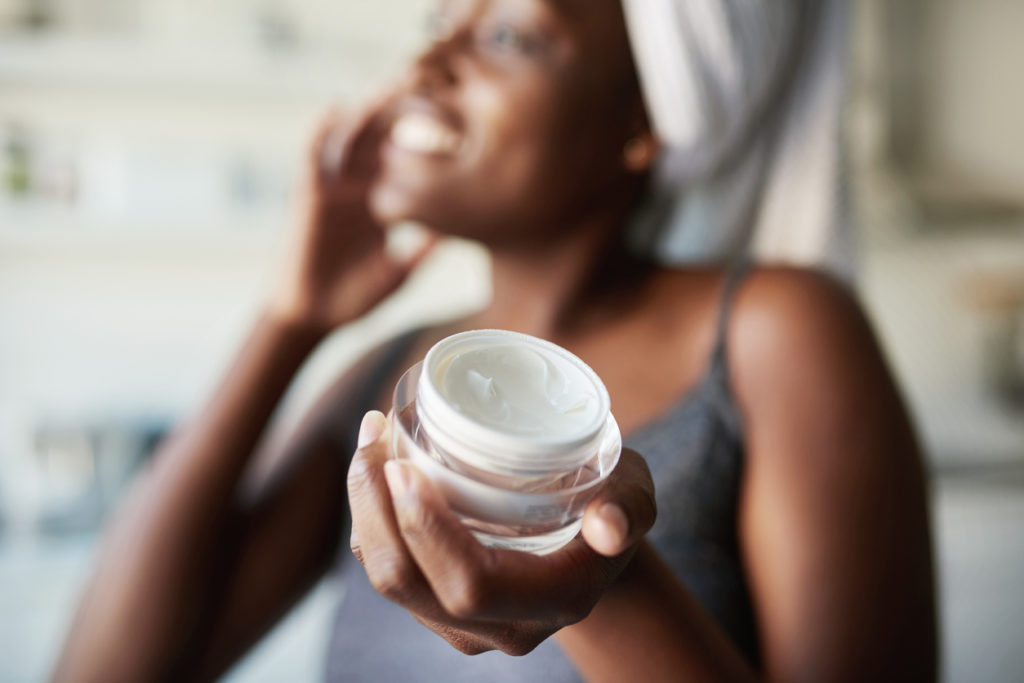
(390, 205)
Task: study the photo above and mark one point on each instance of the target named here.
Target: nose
(436, 64)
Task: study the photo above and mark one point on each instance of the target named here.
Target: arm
(192, 571)
(179, 525)
(834, 519)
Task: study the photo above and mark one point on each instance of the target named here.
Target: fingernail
(397, 478)
(371, 428)
(616, 523)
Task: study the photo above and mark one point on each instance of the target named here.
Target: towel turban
(744, 97)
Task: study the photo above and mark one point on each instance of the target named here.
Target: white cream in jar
(518, 389)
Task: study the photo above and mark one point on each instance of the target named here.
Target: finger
(465, 576)
(473, 582)
(442, 547)
(623, 510)
(379, 545)
(323, 157)
(336, 136)
(359, 155)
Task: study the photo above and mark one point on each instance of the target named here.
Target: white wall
(973, 96)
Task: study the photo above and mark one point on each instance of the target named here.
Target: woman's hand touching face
(419, 555)
(336, 266)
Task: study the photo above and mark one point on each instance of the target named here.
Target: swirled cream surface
(519, 390)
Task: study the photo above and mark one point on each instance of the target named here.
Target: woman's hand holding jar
(418, 554)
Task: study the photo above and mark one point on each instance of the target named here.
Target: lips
(424, 132)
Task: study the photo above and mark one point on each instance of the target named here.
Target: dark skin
(537, 101)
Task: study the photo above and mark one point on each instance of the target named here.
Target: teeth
(424, 134)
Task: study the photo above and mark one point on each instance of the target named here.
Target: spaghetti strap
(733, 278)
(717, 381)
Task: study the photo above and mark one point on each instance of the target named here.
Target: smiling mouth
(424, 134)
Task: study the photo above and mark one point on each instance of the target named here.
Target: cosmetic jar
(516, 432)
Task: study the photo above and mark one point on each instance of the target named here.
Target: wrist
(291, 322)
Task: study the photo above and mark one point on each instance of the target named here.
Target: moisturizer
(519, 390)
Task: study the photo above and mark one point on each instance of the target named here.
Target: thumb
(623, 510)
(365, 473)
(371, 429)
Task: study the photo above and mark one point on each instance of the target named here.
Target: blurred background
(149, 157)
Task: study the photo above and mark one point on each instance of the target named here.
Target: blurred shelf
(62, 233)
(89, 65)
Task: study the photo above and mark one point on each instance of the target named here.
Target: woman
(792, 537)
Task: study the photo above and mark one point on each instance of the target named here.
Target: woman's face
(513, 120)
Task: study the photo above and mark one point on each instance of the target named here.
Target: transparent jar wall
(502, 512)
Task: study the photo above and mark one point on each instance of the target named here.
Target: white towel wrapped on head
(745, 98)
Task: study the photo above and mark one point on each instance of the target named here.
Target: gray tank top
(695, 452)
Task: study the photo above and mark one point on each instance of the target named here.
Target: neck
(549, 289)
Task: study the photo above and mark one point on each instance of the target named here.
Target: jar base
(542, 544)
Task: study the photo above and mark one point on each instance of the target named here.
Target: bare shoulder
(787, 305)
(812, 381)
(798, 324)
(808, 373)
(777, 314)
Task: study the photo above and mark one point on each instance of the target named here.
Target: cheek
(525, 149)
(558, 135)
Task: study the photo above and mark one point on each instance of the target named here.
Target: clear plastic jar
(516, 432)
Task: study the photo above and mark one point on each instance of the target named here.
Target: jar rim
(496, 448)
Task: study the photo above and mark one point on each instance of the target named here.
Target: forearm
(211, 453)
(172, 533)
(648, 628)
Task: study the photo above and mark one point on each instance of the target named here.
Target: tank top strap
(734, 276)
(717, 382)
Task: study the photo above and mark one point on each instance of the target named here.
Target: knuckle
(418, 522)
(519, 642)
(394, 578)
(465, 598)
(521, 648)
(421, 525)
